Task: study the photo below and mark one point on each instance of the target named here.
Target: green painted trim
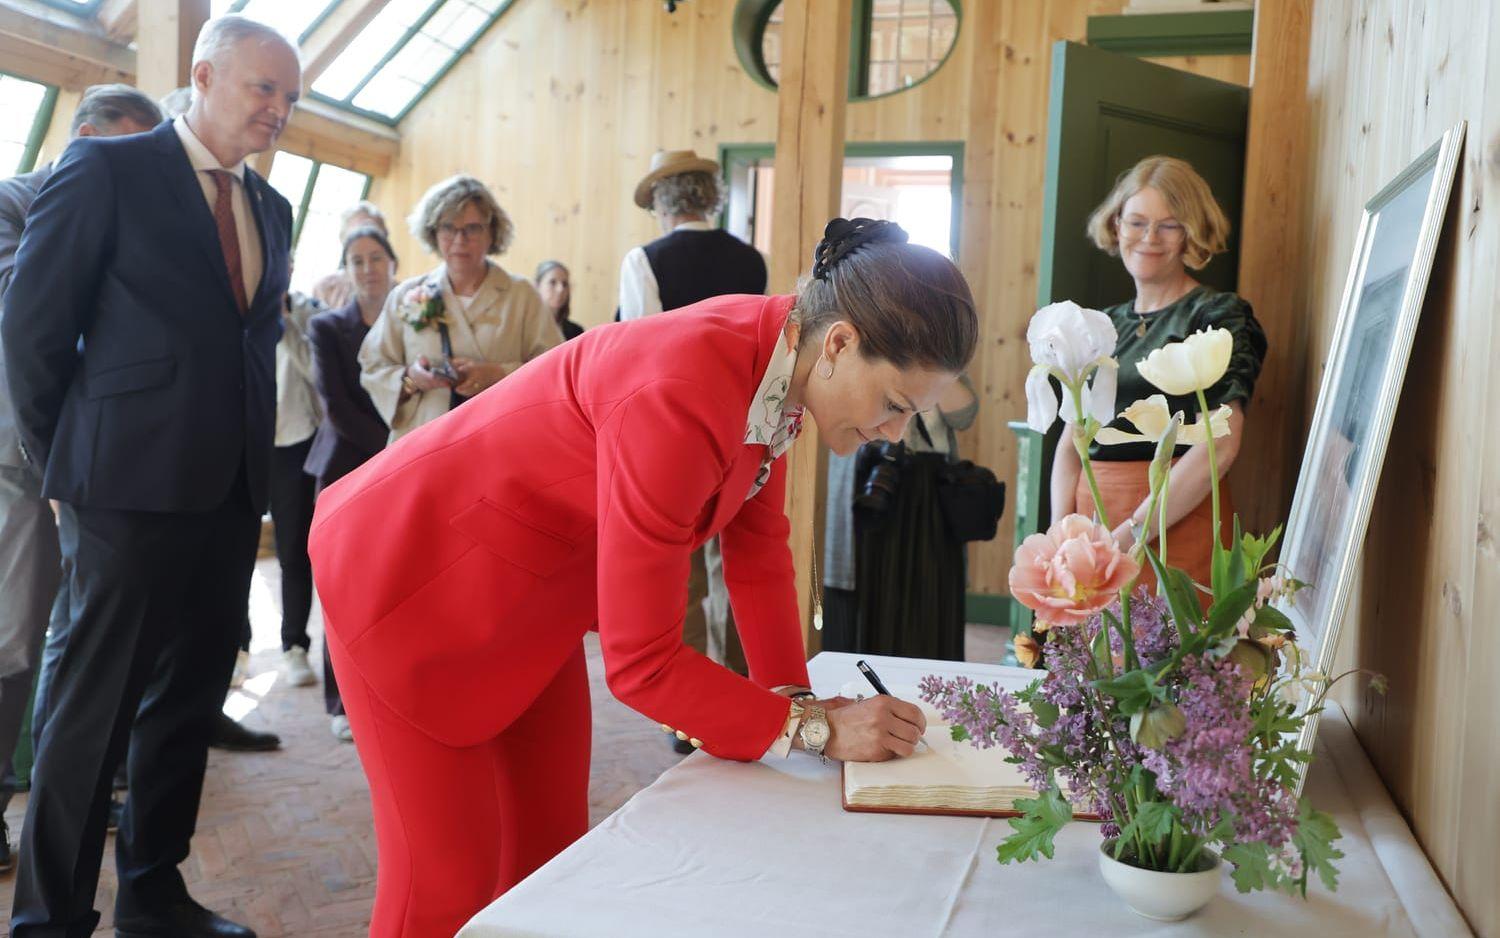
(733, 152)
(307, 191)
(751, 16)
(81, 10)
(1054, 158)
(987, 608)
(39, 124)
(317, 21)
(1220, 32)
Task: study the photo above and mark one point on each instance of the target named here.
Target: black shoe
(7, 858)
(681, 746)
(116, 808)
(235, 737)
(186, 919)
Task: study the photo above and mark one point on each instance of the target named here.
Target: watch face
(815, 733)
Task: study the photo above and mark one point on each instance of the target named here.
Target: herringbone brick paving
(284, 841)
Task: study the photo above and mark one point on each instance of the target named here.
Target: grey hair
(175, 103)
(222, 33)
(104, 106)
(446, 199)
(363, 207)
(688, 194)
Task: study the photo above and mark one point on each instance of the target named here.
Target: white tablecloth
(717, 848)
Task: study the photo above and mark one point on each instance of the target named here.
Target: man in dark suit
(140, 336)
(30, 562)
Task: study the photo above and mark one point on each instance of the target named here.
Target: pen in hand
(880, 688)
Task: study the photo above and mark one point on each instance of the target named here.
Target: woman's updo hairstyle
(910, 303)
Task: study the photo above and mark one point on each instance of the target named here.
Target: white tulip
(1151, 417)
(1194, 364)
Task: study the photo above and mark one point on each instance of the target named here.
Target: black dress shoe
(186, 919)
(236, 737)
(681, 746)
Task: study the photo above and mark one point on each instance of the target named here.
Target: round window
(894, 44)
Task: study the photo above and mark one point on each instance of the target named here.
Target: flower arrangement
(1172, 718)
(423, 305)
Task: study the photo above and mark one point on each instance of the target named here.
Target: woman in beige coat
(446, 335)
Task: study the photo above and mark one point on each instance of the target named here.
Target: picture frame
(1361, 385)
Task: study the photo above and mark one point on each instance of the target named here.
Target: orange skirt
(1124, 486)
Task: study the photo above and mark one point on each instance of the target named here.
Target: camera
(877, 471)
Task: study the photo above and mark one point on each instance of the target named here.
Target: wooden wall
(1385, 79)
(560, 106)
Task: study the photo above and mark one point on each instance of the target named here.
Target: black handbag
(971, 498)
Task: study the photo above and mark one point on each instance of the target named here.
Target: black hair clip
(844, 236)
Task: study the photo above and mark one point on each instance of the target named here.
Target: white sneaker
(294, 667)
(339, 726)
(241, 669)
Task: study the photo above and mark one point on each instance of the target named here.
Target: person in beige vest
(447, 335)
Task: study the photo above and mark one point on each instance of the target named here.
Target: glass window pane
(465, 21)
(289, 174)
(387, 94)
(373, 43)
(291, 17)
(19, 101)
(318, 245)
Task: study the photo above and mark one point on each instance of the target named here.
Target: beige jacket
(506, 323)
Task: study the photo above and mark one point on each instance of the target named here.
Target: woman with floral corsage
(1161, 219)
(460, 569)
(454, 331)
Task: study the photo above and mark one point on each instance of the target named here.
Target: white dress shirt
(639, 294)
(204, 162)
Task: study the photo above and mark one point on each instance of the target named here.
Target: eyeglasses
(1136, 228)
(472, 231)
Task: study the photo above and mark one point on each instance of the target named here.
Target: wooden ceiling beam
(45, 44)
(118, 19)
(323, 132)
(332, 35)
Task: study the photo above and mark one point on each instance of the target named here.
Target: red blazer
(461, 566)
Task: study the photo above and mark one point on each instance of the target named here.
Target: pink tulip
(1071, 572)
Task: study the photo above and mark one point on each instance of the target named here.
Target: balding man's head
(246, 78)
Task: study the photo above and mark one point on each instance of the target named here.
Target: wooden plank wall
(1385, 79)
(605, 84)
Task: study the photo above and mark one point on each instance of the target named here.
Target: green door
(1107, 112)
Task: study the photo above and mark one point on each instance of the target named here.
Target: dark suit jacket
(137, 383)
(352, 430)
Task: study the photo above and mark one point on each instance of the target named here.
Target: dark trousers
(156, 601)
(291, 514)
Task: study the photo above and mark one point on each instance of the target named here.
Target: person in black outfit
(352, 430)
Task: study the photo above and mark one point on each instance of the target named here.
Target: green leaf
(1133, 691)
(1035, 829)
(1237, 565)
(1046, 713)
(958, 733)
(1227, 609)
(1256, 548)
(1314, 839)
(1152, 822)
(1186, 613)
(1252, 866)
(1219, 577)
(1268, 619)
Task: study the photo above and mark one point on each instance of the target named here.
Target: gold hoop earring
(823, 373)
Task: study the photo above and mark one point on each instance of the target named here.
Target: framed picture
(1357, 400)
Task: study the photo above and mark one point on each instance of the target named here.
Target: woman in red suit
(460, 568)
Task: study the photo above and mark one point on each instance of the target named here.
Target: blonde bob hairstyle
(443, 203)
(1192, 203)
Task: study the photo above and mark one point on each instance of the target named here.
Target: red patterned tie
(229, 235)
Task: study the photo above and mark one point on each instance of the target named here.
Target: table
(716, 848)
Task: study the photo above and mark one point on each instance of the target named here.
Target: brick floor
(284, 840)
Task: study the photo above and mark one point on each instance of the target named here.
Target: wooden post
(1271, 256)
(165, 34)
(809, 173)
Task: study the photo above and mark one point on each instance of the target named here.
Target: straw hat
(666, 163)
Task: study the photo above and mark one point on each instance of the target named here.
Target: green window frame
(83, 10)
(749, 25)
(41, 119)
(346, 102)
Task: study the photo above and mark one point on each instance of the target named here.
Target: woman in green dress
(1161, 220)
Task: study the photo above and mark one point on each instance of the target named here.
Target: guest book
(943, 777)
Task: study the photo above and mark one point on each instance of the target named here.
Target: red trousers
(457, 827)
